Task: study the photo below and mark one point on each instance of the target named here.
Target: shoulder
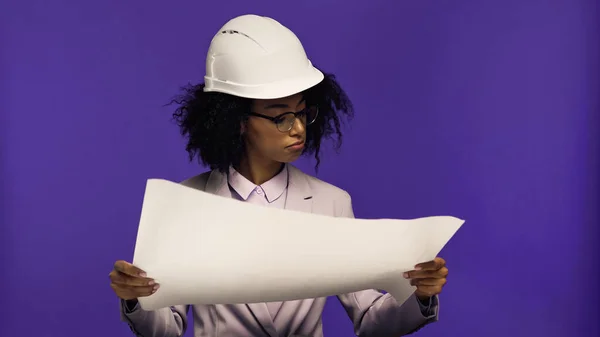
(198, 181)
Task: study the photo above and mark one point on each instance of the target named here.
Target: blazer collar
(299, 191)
(299, 198)
(217, 184)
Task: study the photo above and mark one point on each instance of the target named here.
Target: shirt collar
(273, 188)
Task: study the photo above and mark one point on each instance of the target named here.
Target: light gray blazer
(372, 312)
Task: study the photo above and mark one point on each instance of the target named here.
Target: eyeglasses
(285, 121)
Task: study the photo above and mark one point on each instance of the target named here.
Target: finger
(428, 291)
(129, 292)
(420, 274)
(124, 279)
(129, 269)
(428, 282)
(122, 293)
(136, 290)
(435, 264)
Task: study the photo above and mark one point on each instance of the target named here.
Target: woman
(262, 106)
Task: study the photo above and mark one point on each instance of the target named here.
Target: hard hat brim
(277, 89)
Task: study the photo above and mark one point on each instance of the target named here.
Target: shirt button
(259, 190)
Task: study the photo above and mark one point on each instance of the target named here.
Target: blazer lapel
(262, 315)
(299, 197)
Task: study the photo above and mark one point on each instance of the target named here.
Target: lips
(297, 144)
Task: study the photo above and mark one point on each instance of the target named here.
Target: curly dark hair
(211, 121)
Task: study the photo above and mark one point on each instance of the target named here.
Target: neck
(258, 171)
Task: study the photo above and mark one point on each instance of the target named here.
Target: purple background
(486, 110)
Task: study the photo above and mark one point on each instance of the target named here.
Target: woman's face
(264, 139)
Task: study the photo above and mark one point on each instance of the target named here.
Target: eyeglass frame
(295, 114)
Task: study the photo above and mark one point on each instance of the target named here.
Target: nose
(298, 128)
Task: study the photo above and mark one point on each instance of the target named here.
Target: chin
(290, 158)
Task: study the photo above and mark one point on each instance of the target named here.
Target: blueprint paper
(207, 249)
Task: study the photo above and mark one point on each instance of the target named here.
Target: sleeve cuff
(428, 307)
(129, 306)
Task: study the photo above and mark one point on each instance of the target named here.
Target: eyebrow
(282, 106)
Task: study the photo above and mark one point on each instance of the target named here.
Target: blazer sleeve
(374, 313)
(165, 322)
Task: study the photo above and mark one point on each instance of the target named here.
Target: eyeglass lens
(307, 116)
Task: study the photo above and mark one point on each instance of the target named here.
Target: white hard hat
(257, 57)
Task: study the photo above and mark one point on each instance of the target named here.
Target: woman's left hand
(428, 277)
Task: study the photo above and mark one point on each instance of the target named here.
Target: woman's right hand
(130, 282)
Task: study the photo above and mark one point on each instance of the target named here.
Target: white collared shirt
(271, 193)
